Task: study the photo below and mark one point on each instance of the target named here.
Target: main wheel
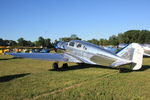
(65, 65)
(55, 66)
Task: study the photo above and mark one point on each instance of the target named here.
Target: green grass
(26, 79)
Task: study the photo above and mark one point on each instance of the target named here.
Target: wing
(46, 56)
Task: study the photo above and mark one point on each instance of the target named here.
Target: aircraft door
(79, 49)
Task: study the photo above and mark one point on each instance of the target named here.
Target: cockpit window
(79, 45)
(71, 44)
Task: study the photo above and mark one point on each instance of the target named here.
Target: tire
(55, 66)
(65, 65)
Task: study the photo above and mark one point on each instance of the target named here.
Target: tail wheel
(55, 66)
(65, 65)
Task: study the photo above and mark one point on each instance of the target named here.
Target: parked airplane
(146, 48)
(83, 52)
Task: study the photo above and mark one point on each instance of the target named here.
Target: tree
(147, 36)
(7, 42)
(40, 42)
(113, 40)
(103, 42)
(21, 41)
(12, 43)
(43, 42)
(30, 44)
(1, 42)
(48, 43)
(94, 41)
(138, 36)
(72, 37)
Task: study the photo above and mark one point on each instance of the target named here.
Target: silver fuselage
(91, 53)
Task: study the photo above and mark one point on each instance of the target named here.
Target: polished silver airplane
(78, 51)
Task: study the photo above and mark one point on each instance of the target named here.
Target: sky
(60, 18)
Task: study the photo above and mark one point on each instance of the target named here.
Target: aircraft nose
(60, 45)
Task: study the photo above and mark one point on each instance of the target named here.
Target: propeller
(60, 45)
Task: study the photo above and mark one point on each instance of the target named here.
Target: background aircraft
(83, 52)
(146, 48)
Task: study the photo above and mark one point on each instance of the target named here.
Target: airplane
(110, 48)
(78, 51)
(146, 48)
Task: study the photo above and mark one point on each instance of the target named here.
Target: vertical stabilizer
(133, 52)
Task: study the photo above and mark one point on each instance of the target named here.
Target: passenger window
(71, 44)
(84, 48)
(79, 45)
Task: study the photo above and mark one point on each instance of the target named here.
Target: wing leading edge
(46, 56)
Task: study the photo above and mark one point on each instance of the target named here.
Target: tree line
(137, 36)
(41, 42)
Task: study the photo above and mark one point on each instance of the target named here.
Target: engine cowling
(61, 45)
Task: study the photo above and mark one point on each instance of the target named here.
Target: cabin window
(79, 45)
(84, 48)
(71, 44)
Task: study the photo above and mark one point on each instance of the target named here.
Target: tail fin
(133, 52)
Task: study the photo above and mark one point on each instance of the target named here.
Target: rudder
(133, 52)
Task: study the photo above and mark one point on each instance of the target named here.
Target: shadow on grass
(10, 58)
(81, 66)
(144, 67)
(146, 56)
(11, 77)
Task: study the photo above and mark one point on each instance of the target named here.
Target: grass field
(26, 79)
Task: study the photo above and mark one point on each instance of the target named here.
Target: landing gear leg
(55, 65)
